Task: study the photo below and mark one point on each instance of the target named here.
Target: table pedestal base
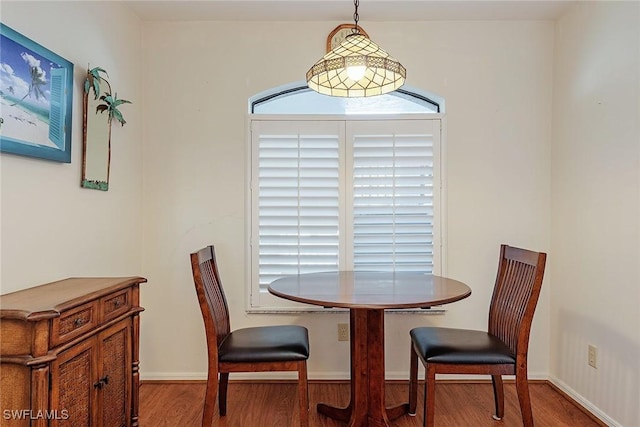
(367, 406)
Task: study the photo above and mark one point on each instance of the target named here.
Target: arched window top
(297, 98)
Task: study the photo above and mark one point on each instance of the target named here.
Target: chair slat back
(515, 296)
(213, 302)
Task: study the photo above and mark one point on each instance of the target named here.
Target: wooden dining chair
(502, 350)
(264, 348)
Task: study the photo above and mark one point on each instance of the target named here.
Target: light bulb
(356, 72)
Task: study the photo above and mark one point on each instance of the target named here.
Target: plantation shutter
(393, 195)
(57, 107)
(298, 198)
(330, 195)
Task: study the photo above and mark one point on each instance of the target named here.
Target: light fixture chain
(356, 17)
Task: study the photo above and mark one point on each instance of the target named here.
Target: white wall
(496, 78)
(52, 228)
(596, 208)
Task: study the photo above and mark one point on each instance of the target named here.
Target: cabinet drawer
(115, 304)
(74, 322)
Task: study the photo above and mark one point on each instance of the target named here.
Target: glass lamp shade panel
(331, 74)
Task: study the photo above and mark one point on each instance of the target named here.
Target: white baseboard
(172, 376)
(195, 376)
(324, 375)
(586, 404)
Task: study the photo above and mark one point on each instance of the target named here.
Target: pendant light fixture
(357, 67)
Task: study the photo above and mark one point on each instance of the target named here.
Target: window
(335, 193)
(297, 98)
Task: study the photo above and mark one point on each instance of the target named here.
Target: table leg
(367, 405)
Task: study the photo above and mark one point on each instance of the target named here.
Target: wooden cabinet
(69, 353)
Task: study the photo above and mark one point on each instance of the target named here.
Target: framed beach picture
(36, 94)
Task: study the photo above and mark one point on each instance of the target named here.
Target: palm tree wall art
(98, 100)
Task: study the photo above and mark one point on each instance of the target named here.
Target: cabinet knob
(79, 321)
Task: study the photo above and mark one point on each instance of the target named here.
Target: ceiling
(342, 10)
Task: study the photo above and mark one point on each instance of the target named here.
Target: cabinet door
(115, 374)
(73, 393)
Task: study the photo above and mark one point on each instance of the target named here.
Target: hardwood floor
(275, 404)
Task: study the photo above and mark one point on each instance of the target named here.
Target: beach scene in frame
(36, 93)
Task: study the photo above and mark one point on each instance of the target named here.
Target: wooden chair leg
(224, 384)
(210, 398)
(303, 393)
(413, 382)
(522, 387)
(429, 395)
(498, 396)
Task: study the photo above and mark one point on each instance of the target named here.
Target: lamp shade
(338, 72)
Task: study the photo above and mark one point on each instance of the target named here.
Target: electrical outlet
(593, 356)
(343, 332)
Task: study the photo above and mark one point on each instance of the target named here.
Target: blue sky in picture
(25, 75)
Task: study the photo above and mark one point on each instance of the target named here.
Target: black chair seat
(265, 344)
(460, 346)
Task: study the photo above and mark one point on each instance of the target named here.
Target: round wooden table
(367, 295)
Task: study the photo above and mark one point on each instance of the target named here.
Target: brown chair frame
(215, 313)
(518, 283)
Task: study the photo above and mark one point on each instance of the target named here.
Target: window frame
(279, 305)
(430, 100)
